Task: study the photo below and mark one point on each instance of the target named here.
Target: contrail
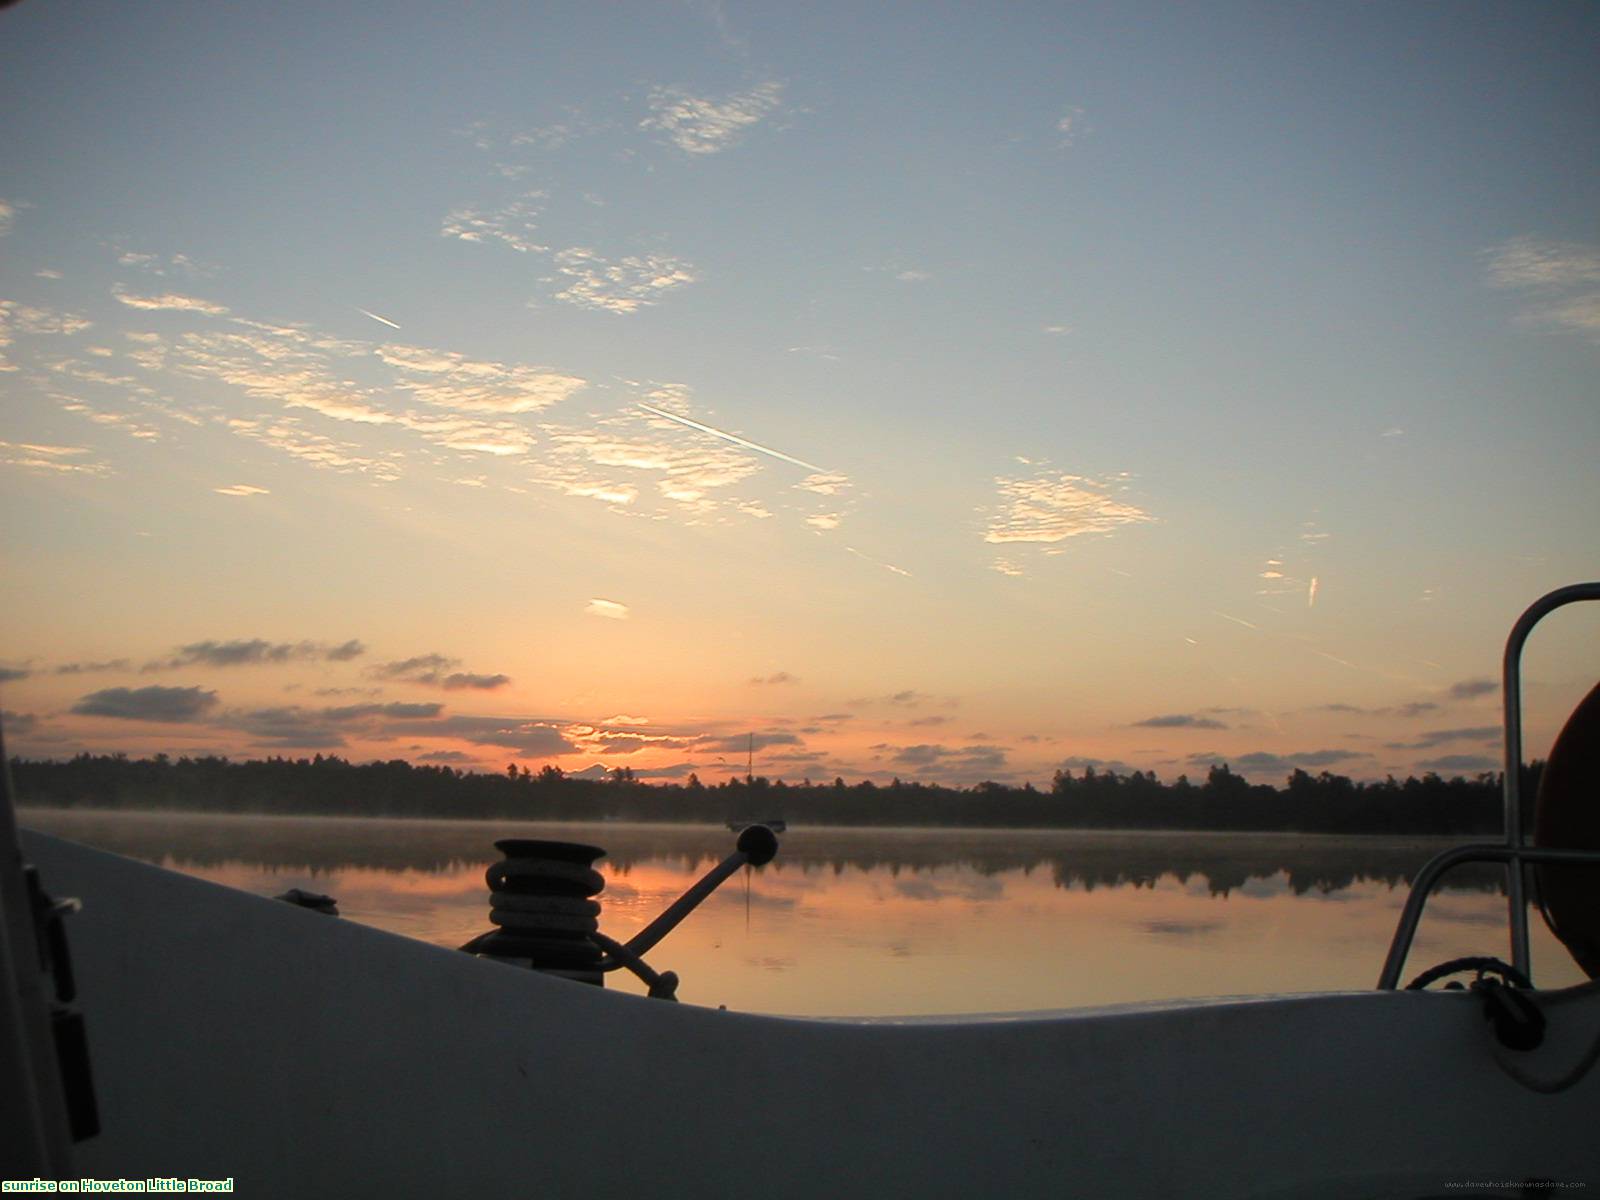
(1235, 620)
(727, 437)
(376, 317)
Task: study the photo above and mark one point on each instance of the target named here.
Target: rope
(1482, 964)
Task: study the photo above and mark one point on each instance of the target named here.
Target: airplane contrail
(376, 317)
(727, 437)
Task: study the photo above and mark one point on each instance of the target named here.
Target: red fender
(1568, 818)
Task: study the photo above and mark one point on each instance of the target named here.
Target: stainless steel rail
(1513, 852)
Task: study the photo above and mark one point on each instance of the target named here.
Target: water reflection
(867, 921)
(1220, 863)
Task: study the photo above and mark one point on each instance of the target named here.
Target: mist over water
(892, 921)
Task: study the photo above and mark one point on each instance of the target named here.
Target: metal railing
(1513, 853)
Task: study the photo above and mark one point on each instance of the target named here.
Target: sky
(941, 392)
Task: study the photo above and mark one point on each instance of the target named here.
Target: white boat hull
(301, 1055)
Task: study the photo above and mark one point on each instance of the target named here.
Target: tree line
(332, 786)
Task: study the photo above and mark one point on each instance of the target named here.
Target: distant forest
(1323, 803)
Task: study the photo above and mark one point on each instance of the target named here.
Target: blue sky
(1056, 369)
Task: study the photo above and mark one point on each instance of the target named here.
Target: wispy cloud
(241, 489)
(1070, 126)
(255, 652)
(1050, 507)
(704, 125)
(61, 460)
(1560, 280)
(8, 214)
(170, 302)
(1180, 721)
(437, 670)
(610, 609)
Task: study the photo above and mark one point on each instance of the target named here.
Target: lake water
(892, 921)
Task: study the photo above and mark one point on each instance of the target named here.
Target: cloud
(1467, 689)
(285, 726)
(12, 674)
(8, 213)
(166, 704)
(62, 460)
(448, 380)
(609, 609)
(1460, 762)
(436, 671)
(1261, 762)
(241, 489)
(780, 677)
(1559, 280)
(255, 651)
(702, 125)
(623, 285)
(399, 710)
(959, 760)
(512, 224)
(16, 722)
(739, 743)
(1180, 721)
(446, 756)
(1438, 737)
(1528, 261)
(1079, 762)
(1050, 507)
(482, 683)
(528, 739)
(170, 303)
(87, 668)
(1070, 126)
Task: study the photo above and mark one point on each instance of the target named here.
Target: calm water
(892, 921)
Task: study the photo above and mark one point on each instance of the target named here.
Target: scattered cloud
(1438, 737)
(482, 683)
(1070, 126)
(16, 722)
(8, 214)
(1050, 507)
(780, 677)
(610, 609)
(1560, 281)
(623, 285)
(1460, 762)
(448, 380)
(739, 743)
(61, 460)
(703, 125)
(13, 674)
(165, 704)
(92, 668)
(170, 302)
(241, 489)
(1468, 689)
(1261, 762)
(1180, 721)
(436, 670)
(512, 224)
(255, 652)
